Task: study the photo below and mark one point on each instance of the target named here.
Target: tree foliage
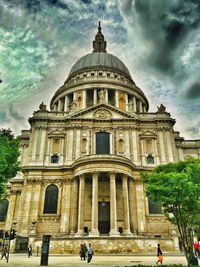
(9, 154)
(176, 187)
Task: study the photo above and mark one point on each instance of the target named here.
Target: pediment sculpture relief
(102, 114)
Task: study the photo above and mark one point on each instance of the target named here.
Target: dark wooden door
(104, 217)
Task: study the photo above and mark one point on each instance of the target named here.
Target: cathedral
(82, 162)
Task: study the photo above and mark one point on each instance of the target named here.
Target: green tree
(9, 154)
(176, 187)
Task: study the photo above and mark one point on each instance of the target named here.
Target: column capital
(125, 177)
(112, 175)
(95, 175)
(82, 177)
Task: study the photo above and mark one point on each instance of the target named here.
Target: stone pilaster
(26, 209)
(94, 219)
(74, 207)
(162, 147)
(126, 230)
(11, 209)
(113, 207)
(81, 206)
(65, 207)
(140, 200)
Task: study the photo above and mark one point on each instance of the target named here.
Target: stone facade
(98, 190)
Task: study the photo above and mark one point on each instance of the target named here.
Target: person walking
(4, 253)
(82, 251)
(89, 253)
(196, 249)
(29, 250)
(159, 255)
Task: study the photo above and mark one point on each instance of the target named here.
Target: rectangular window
(154, 207)
(102, 143)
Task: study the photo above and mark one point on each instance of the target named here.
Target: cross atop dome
(99, 45)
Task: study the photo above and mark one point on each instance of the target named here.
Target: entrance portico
(104, 217)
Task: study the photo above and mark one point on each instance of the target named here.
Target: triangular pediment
(103, 112)
(148, 134)
(56, 133)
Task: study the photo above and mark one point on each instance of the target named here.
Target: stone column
(81, 206)
(116, 99)
(95, 97)
(126, 230)
(134, 104)
(133, 206)
(66, 108)
(106, 95)
(126, 99)
(59, 105)
(94, 219)
(74, 207)
(113, 207)
(84, 100)
(140, 106)
(11, 209)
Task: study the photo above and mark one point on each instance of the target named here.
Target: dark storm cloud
(164, 24)
(193, 91)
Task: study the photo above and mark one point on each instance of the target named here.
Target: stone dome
(99, 60)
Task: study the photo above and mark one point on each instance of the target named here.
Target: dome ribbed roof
(99, 60)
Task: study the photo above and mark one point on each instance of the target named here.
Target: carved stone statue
(162, 108)
(131, 105)
(73, 106)
(42, 106)
(102, 95)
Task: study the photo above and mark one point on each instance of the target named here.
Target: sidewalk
(97, 261)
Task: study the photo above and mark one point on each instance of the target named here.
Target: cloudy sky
(158, 40)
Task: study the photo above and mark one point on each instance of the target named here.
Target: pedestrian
(196, 249)
(89, 253)
(4, 253)
(82, 251)
(29, 250)
(159, 255)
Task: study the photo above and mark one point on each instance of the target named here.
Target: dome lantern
(99, 45)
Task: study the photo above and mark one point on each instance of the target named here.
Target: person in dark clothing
(159, 255)
(29, 250)
(82, 251)
(4, 253)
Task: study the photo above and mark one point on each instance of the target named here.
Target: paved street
(97, 261)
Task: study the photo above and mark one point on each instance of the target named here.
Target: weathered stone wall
(109, 245)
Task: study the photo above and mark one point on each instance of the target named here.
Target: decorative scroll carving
(49, 218)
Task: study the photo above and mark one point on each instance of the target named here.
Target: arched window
(54, 158)
(51, 199)
(3, 209)
(150, 159)
(102, 143)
